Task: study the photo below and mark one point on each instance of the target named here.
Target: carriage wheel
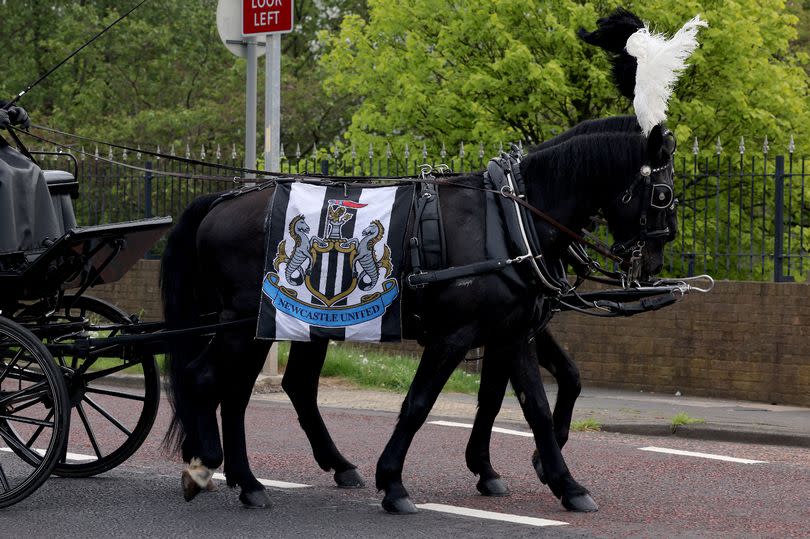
(114, 401)
(34, 413)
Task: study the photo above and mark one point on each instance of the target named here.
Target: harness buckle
(410, 282)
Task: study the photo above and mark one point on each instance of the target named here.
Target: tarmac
(622, 411)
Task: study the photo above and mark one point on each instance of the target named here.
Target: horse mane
(610, 160)
(628, 124)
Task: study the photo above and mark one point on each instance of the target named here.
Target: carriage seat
(63, 188)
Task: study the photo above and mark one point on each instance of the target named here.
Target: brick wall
(745, 340)
(138, 292)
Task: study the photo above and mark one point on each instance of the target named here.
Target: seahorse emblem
(367, 258)
(300, 261)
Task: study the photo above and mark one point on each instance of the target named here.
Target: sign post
(270, 18)
(240, 24)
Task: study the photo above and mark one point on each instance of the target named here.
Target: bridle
(658, 197)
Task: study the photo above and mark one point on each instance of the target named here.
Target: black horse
(306, 361)
(213, 262)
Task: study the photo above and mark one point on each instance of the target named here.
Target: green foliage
(682, 418)
(445, 71)
(586, 425)
(162, 75)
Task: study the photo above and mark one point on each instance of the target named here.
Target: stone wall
(744, 340)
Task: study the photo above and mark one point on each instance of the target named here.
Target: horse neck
(573, 180)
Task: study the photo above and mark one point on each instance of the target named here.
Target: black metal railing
(740, 216)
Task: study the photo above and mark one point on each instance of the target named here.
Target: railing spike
(97, 156)
(742, 145)
(765, 146)
(110, 154)
(297, 150)
(695, 147)
(219, 152)
(791, 145)
(138, 155)
(424, 151)
(82, 154)
(124, 155)
(461, 152)
(233, 152)
(480, 150)
(371, 150)
(407, 152)
(172, 152)
(443, 153)
(314, 152)
(202, 152)
(336, 152)
(281, 152)
(354, 153)
(188, 151)
(158, 152)
(388, 150)
(718, 148)
(500, 148)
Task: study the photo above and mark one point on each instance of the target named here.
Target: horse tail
(182, 306)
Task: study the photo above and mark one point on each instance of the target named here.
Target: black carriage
(75, 398)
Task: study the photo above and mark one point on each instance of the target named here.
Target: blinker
(646, 170)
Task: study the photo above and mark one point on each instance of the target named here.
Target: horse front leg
(435, 367)
(300, 382)
(528, 386)
(555, 360)
(494, 378)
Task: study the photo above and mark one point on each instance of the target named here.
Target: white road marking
(69, 456)
(490, 515)
(701, 455)
(269, 482)
(494, 429)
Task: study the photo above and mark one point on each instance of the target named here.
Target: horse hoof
(493, 487)
(190, 487)
(538, 466)
(349, 479)
(255, 499)
(399, 506)
(581, 503)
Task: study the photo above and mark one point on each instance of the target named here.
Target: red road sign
(261, 17)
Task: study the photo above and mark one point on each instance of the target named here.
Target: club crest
(334, 280)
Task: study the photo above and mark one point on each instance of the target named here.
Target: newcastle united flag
(332, 262)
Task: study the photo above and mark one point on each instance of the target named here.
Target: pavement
(622, 411)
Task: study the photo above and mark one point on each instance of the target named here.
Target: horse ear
(655, 146)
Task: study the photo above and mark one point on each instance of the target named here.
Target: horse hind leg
(201, 448)
(239, 379)
(300, 382)
(494, 378)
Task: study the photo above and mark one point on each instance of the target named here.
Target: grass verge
(378, 370)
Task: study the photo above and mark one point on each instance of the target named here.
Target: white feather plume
(660, 63)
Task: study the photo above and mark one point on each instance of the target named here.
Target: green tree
(450, 71)
(162, 75)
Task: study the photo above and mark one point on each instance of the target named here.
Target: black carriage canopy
(27, 215)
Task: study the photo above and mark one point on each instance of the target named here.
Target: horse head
(642, 218)
(371, 230)
(300, 226)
